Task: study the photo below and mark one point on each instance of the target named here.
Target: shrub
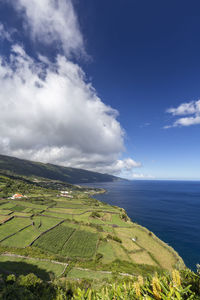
(98, 257)
(95, 214)
(114, 238)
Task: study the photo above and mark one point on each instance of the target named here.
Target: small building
(64, 192)
(17, 196)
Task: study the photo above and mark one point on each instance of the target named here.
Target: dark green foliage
(164, 286)
(24, 268)
(124, 217)
(28, 287)
(81, 244)
(95, 214)
(54, 239)
(97, 226)
(70, 175)
(98, 256)
(18, 208)
(114, 238)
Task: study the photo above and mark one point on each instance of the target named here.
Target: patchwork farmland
(75, 230)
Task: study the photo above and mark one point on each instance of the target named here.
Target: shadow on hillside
(22, 268)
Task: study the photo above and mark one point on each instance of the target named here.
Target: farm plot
(32, 210)
(118, 221)
(64, 204)
(13, 226)
(7, 205)
(142, 257)
(119, 251)
(66, 210)
(106, 249)
(154, 246)
(81, 244)
(25, 237)
(5, 212)
(54, 239)
(29, 204)
(57, 215)
(21, 239)
(44, 223)
(18, 208)
(4, 218)
(21, 214)
(88, 274)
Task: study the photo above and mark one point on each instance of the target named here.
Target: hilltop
(50, 171)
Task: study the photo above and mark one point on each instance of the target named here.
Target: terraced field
(55, 239)
(81, 244)
(78, 229)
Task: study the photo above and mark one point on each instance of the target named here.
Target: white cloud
(53, 22)
(189, 109)
(49, 113)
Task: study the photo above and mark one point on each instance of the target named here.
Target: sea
(170, 209)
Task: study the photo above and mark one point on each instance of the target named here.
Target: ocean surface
(171, 209)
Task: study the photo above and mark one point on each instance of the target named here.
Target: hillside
(58, 242)
(71, 175)
(73, 236)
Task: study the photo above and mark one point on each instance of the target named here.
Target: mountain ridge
(26, 167)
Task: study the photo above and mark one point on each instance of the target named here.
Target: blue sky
(140, 57)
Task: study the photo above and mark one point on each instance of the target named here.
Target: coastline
(180, 264)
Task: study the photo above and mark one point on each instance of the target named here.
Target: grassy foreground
(178, 285)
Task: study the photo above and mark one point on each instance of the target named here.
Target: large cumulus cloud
(48, 110)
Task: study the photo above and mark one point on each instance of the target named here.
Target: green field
(13, 226)
(88, 274)
(81, 244)
(54, 239)
(57, 215)
(7, 205)
(26, 236)
(107, 250)
(5, 212)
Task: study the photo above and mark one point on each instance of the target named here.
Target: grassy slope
(96, 241)
(50, 171)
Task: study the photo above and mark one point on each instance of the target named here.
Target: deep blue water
(171, 209)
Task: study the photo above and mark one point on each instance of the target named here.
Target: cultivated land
(75, 236)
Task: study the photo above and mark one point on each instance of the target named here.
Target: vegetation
(77, 243)
(55, 239)
(177, 285)
(53, 172)
(81, 244)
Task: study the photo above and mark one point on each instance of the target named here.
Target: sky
(108, 86)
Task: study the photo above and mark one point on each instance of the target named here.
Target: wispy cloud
(6, 34)
(141, 176)
(190, 112)
(53, 22)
